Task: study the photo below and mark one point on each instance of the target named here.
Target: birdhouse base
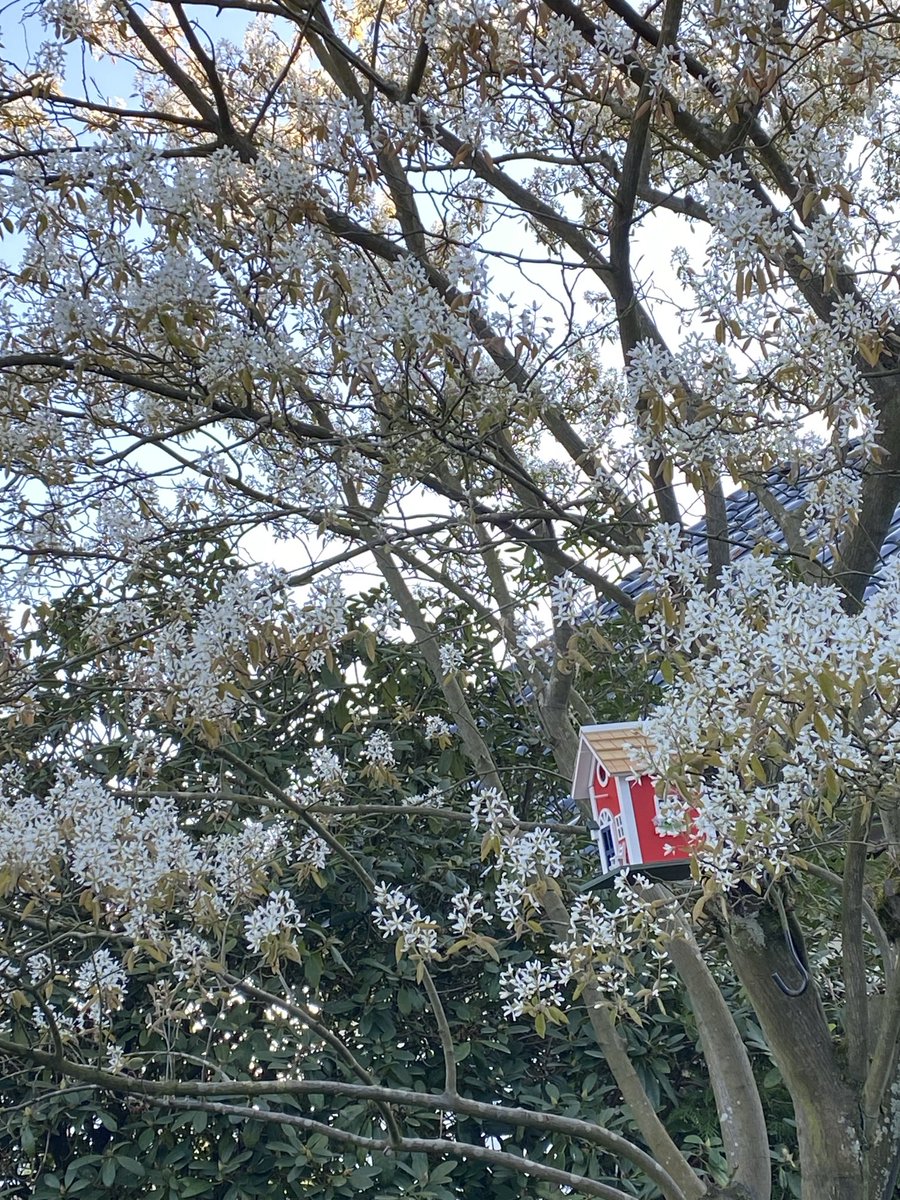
(665, 871)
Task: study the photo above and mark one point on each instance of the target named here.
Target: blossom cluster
(378, 750)
(783, 705)
(146, 876)
(616, 941)
(531, 989)
(101, 983)
(452, 658)
(325, 766)
(395, 914)
(266, 925)
(466, 908)
(438, 730)
(200, 661)
(490, 808)
(522, 858)
(567, 596)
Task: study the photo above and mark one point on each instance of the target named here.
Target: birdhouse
(611, 773)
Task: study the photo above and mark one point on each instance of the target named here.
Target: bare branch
(304, 1013)
(440, 1016)
(512, 1116)
(853, 961)
(439, 1147)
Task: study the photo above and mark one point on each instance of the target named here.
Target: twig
(294, 1009)
(440, 1016)
(289, 802)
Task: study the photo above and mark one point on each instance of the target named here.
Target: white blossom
(238, 861)
(395, 914)
(188, 955)
(466, 907)
(383, 615)
(771, 669)
(532, 853)
(567, 598)
(436, 727)
(101, 981)
(270, 920)
(312, 851)
(325, 766)
(324, 611)
(30, 838)
(115, 1058)
(378, 750)
(529, 989)
(452, 659)
(131, 856)
(489, 808)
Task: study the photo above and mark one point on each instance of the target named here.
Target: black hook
(798, 961)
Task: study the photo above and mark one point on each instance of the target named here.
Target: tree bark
(738, 1103)
(825, 1105)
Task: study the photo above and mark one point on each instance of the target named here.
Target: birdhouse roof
(621, 748)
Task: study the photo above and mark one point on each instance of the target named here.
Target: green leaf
(442, 1172)
(363, 1177)
(27, 1140)
(193, 1187)
(312, 969)
(131, 1165)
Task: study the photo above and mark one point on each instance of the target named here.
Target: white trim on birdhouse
(606, 825)
(626, 804)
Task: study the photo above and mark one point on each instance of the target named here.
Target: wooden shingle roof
(619, 747)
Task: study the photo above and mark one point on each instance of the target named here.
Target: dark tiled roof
(749, 525)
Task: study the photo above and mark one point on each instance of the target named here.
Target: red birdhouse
(611, 772)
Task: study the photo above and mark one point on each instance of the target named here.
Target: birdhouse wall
(653, 845)
(604, 792)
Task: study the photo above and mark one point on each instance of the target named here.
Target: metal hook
(792, 950)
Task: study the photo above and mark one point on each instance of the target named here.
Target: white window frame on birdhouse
(619, 825)
(606, 829)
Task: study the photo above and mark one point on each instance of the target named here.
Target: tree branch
(434, 1147)
(170, 67)
(643, 1112)
(853, 959)
(587, 1131)
(741, 1117)
(798, 1034)
(447, 1047)
(883, 1068)
(303, 1013)
(475, 746)
(303, 813)
(876, 929)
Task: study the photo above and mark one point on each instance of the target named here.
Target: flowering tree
(378, 289)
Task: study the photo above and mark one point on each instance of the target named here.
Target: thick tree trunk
(826, 1107)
